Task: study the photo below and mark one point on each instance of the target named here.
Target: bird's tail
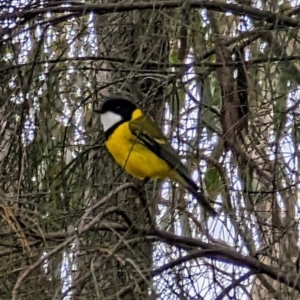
(192, 187)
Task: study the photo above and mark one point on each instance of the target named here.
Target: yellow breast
(134, 157)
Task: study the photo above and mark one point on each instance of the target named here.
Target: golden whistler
(138, 145)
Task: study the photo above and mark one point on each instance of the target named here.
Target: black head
(114, 111)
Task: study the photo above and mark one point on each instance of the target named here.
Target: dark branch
(153, 63)
(254, 13)
(231, 256)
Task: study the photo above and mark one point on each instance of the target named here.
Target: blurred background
(221, 78)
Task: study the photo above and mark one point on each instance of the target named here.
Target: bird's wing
(148, 132)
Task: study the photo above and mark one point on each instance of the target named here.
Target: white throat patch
(109, 119)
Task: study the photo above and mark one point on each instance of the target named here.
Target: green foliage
(213, 182)
(210, 103)
(60, 193)
(213, 179)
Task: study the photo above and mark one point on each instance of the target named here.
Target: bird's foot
(140, 183)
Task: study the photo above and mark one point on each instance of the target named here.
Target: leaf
(208, 117)
(212, 180)
(173, 56)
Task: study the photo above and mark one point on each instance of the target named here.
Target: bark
(234, 91)
(140, 37)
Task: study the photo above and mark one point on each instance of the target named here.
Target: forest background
(222, 79)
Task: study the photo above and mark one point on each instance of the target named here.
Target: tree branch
(254, 13)
(233, 285)
(229, 255)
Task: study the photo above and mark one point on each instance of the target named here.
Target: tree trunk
(137, 37)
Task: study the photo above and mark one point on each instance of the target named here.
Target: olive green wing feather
(148, 132)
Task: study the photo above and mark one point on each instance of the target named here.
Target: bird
(138, 145)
